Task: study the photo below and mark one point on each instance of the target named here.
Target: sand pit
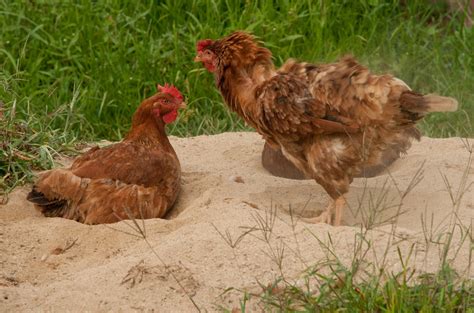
(53, 264)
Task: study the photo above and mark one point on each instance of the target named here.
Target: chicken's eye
(166, 101)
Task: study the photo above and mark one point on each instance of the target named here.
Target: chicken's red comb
(171, 90)
(202, 44)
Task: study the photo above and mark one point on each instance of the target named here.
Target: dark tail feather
(417, 103)
(49, 207)
(38, 198)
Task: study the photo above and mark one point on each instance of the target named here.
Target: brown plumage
(138, 177)
(330, 120)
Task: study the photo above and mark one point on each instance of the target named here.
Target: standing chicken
(329, 120)
(138, 177)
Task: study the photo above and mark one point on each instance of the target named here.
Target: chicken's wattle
(210, 66)
(170, 117)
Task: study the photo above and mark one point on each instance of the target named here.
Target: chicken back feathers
(330, 120)
(136, 178)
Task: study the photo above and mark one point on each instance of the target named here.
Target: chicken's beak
(182, 105)
(198, 58)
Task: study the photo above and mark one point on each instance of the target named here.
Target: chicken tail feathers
(50, 208)
(437, 103)
(416, 103)
(54, 192)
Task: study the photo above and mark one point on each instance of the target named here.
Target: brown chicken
(138, 177)
(329, 120)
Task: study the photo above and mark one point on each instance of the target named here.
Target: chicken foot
(334, 207)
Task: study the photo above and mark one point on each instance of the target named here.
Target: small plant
(27, 145)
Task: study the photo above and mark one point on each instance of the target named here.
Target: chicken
(138, 177)
(329, 120)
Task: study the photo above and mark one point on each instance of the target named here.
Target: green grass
(77, 70)
(112, 55)
(29, 143)
(439, 292)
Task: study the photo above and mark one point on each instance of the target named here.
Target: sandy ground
(53, 264)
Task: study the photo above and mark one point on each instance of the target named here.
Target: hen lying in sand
(136, 178)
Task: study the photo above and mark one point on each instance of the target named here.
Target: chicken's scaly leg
(339, 204)
(334, 206)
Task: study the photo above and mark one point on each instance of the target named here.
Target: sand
(235, 226)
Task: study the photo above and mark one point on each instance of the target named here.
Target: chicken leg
(334, 207)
